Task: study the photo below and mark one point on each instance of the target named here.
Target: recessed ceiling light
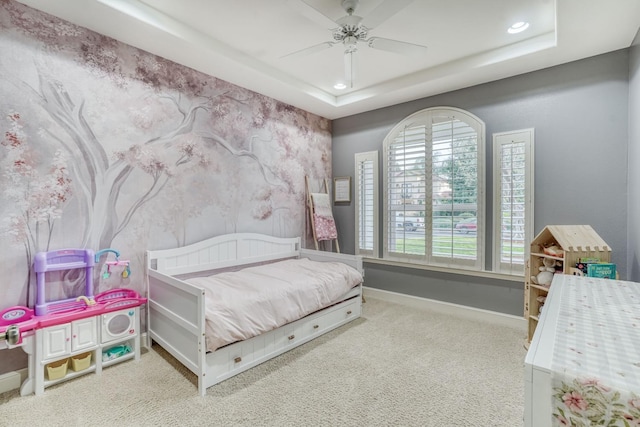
(518, 27)
(339, 86)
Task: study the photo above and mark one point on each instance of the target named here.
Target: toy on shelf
(115, 352)
(59, 261)
(553, 250)
(547, 270)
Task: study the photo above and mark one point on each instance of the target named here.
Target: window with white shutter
(405, 192)
(434, 189)
(366, 203)
(513, 199)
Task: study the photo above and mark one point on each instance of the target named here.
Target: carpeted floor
(395, 366)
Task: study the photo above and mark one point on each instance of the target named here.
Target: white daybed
(176, 309)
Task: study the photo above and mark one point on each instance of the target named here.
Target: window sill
(476, 273)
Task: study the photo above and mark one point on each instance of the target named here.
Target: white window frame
(425, 117)
(370, 157)
(525, 138)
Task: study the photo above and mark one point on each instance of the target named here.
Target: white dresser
(583, 364)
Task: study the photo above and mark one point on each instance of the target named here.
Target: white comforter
(246, 303)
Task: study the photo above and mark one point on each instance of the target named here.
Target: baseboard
(448, 308)
(12, 380)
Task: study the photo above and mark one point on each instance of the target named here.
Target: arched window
(434, 189)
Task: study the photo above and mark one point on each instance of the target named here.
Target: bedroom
(598, 96)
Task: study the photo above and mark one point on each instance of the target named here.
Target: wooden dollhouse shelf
(575, 241)
(542, 288)
(548, 256)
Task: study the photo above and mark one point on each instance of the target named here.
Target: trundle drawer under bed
(237, 357)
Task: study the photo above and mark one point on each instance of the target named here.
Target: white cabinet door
(56, 341)
(84, 333)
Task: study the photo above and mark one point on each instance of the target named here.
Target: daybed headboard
(223, 251)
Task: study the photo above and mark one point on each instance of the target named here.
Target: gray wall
(580, 115)
(633, 224)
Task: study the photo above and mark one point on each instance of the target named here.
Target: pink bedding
(246, 303)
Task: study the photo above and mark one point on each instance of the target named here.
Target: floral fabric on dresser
(596, 356)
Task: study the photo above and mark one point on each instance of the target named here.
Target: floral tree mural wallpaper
(108, 146)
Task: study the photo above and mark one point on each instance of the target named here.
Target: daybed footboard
(176, 321)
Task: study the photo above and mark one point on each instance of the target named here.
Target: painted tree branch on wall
(100, 181)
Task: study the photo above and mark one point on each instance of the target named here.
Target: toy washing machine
(119, 325)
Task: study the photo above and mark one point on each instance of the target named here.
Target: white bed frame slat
(176, 309)
(224, 251)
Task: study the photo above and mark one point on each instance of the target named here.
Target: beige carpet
(396, 366)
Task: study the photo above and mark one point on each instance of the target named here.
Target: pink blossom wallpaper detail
(107, 146)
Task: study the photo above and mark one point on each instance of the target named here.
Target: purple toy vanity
(83, 332)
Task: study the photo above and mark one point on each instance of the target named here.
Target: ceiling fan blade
(384, 11)
(349, 68)
(309, 50)
(396, 46)
(312, 13)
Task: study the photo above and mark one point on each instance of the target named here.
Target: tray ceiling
(246, 42)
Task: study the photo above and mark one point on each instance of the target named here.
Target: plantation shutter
(513, 224)
(434, 178)
(454, 192)
(406, 192)
(366, 184)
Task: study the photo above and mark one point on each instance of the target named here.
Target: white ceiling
(244, 41)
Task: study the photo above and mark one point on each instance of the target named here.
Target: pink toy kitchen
(66, 338)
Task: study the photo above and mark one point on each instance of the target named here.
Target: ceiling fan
(352, 29)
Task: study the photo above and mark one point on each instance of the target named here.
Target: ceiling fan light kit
(352, 29)
(350, 5)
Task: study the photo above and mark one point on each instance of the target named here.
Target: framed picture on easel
(342, 189)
